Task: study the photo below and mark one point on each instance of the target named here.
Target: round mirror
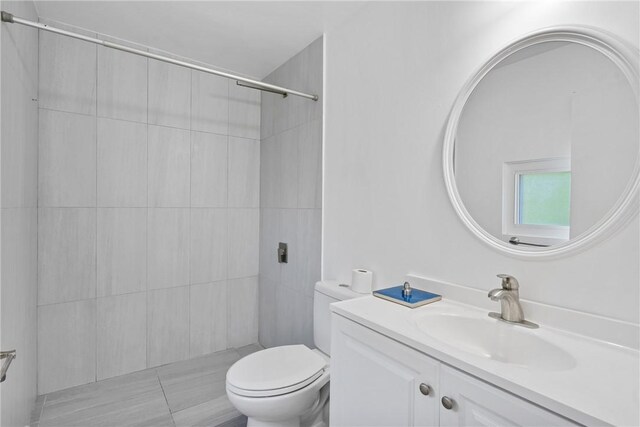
(542, 145)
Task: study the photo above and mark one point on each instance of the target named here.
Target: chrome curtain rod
(251, 83)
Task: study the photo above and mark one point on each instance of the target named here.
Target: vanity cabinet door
(376, 381)
(476, 403)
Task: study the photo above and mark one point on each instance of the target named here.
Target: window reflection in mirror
(544, 198)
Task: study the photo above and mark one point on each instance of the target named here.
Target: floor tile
(147, 408)
(195, 368)
(37, 409)
(240, 421)
(190, 383)
(70, 401)
(248, 349)
(188, 393)
(216, 412)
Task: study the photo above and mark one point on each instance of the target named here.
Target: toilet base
(288, 423)
(317, 416)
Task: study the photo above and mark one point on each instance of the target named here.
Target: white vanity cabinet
(376, 381)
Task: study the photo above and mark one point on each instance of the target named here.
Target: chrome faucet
(509, 297)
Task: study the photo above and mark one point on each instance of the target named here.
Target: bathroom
(155, 156)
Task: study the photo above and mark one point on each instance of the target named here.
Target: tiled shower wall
(148, 213)
(291, 200)
(19, 187)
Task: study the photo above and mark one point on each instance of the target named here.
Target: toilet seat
(275, 371)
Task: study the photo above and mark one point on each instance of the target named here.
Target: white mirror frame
(626, 58)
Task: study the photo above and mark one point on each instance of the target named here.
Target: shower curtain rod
(250, 83)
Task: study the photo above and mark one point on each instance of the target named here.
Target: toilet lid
(275, 371)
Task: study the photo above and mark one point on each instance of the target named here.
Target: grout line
(95, 373)
(165, 395)
(114, 295)
(44, 402)
(190, 225)
(55, 110)
(37, 266)
(228, 239)
(146, 260)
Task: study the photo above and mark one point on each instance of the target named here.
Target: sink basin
(478, 334)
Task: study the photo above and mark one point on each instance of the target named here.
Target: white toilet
(288, 386)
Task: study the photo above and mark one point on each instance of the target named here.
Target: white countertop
(601, 388)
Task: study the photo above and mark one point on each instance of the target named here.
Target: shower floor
(188, 393)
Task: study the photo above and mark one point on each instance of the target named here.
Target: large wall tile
(66, 254)
(169, 95)
(307, 77)
(208, 318)
(169, 165)
(18, 236)
(122, 163)
(67, 74)
(19, 272)
(310, 165)
(244, 173)
(267, 311)
(122, 251)
(244, 111)
(67, 160)
(294, 318)
(281, 115)
(122, 85)
(279, 170)
(291, 201)
(289, 234)
(19, 157)
(208, 245)
(270, 237)
(287, 143)
(269, 173)
(145, 209)
(208, 170)
(309, 253)
(242, 311)
(19, 216)
(209, 103)
(167, 248)
(122, 330)
(243, 244)
(168, 326)
(66, 345)
(267, 107)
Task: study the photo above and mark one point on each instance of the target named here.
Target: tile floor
(189, 393)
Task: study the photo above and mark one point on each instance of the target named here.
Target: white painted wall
(392, 74)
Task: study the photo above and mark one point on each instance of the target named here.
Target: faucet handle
(509, 282)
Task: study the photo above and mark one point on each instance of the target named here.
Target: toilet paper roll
(361, 280)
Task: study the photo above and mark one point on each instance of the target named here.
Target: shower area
(143, 202)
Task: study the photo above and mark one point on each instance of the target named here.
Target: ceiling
(248, 37)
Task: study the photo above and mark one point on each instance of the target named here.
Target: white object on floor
(288, 386)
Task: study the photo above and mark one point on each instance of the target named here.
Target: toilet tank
(327, 292)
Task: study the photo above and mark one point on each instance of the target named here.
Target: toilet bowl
(288, 386)
(278, 386)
